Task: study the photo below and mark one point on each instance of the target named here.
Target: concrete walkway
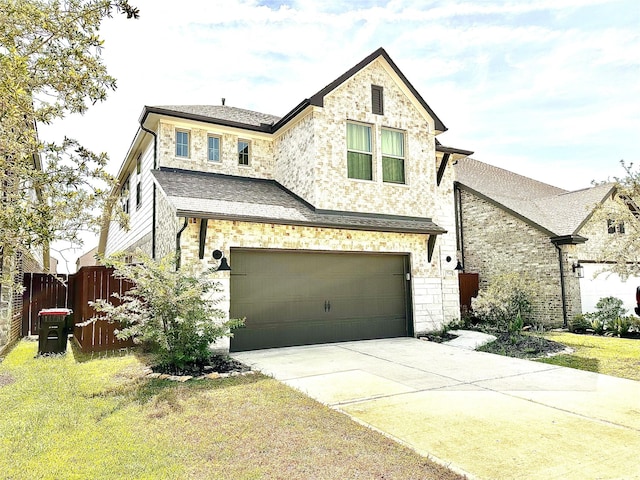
(487, 416)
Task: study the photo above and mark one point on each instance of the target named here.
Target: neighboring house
(13, 266)
(337, 219)
(87, 259)
(511, 223)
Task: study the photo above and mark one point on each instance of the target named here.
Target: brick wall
(433, 299)
(261, 158)
(496, 242)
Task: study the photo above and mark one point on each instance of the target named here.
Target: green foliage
(506, 302)
(171, 312)
(621, 252)
(579, 324)
(50, 66)
(610, 317)
(620, 326)
(597, 325)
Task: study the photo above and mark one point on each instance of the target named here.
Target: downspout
(458, 210)
(178, 249)
(562, 288)
(153, 206)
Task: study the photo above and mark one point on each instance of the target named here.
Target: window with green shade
(243, 152)
(392, 156)
(182, 143)
(359, 156)
(213, 148)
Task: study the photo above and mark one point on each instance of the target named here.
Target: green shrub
(608, 317)
(170, 312)
(579, 324)
(597, 325)
(621, 326)
(507, 297)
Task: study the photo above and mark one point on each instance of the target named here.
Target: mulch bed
(438, 337)
(216, 363)
(522, 346)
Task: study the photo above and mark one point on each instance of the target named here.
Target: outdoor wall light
(459, 267)
(578, 270)
(223, 265)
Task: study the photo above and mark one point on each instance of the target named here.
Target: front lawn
(76, 418)
(615, 356)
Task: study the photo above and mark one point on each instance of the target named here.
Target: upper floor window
(213, 148)
(359, 155)
(182, 143)
(139, 164)
(392, 156)
(243, 152)
(615, 227)
(138, 194)
(124, 195)
(377, 100)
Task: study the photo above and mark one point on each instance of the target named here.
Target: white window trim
(219, 137)
(374, 163)
(175, 150)
(248, 142)
(404, 157)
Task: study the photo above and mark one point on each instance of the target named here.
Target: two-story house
(511, 223)
(337, 219)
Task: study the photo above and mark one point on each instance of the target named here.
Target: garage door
(296, 298)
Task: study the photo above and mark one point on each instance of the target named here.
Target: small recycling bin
(52, 330)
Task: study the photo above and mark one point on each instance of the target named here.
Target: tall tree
(621, 215)
(50, 66)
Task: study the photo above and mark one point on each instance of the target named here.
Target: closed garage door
(301, 298)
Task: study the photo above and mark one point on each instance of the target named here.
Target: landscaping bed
(522, 345)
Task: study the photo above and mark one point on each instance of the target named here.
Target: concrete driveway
(484, 415)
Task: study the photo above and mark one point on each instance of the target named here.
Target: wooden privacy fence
(75, 291)
(469, 284)
(91, 284)
(42, 290)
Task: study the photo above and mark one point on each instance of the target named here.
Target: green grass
(619, 357)
(77, 418)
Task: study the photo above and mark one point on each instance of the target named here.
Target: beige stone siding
(429, 299)
(352, 102)
(296, 155)
(261, 158)
(598, 235)
(496, 242)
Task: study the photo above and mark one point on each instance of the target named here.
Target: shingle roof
(232, 116)
(555, 210)
(224, 197)
(221, 113)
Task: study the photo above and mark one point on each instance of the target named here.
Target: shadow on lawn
(573, 361)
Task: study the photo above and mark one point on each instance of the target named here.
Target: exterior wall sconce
(459, 267)
(223, 265)
(578, 270)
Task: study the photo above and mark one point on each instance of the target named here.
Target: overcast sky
(545, 88)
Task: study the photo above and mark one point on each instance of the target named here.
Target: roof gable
(553, 210)
(318, 98)
(256, 121)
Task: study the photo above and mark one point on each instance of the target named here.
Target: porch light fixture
(223, 265)
(578, 270)
(459, 267)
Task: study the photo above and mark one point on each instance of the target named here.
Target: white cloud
(546, 86)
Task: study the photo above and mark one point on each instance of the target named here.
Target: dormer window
(377, 100)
